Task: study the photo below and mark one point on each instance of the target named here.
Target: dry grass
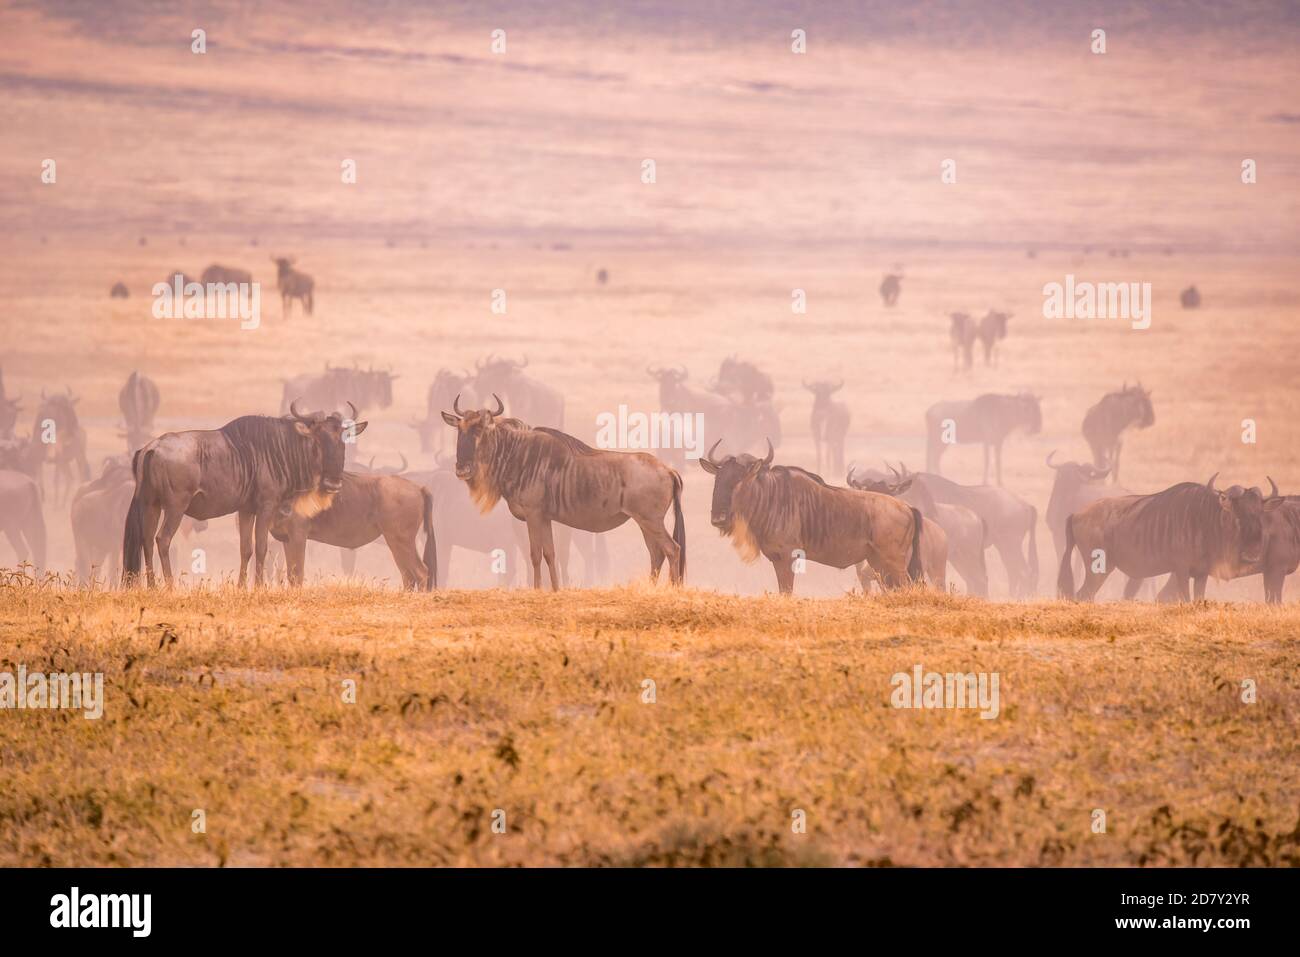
(532, 703)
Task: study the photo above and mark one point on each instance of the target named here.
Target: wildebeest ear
(450, 419)
(1225, 501)
(358, 428)
(705, 464)
(302, 427)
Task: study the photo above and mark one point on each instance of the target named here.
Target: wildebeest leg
(407, 559)
(986, 465)
(997, 458)
(295, 556)
(284, 305)
(784, 569)
(548, 552)
(1014, 562)
(171, 521)
(149, 526)
(563, 539)
(1274, 579)
(1092, 582)
(1175, 589)
(1114, 466)
(348, 561)
(535, 550)
(1198, 583)
(1131, 588)
(661, 546)
(261, 534)
(865, 576)
(245, 545)
(19, 546)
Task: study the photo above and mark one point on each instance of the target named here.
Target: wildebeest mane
(264, 441)
(1184, 517)
(782, 498)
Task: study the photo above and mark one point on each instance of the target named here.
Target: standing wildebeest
(1281, 550)
(99, 512)
(963, 331)
(964, 532)
(890, 287)
(986, 420)
(21, 518)
(1010, 524)
(1189, 530)
(992, 328)
(249, 466)
(779, 510)
(722, 414)
(338, 385)
(1076, 486)
(293, 285)
(547, 476)
(528, 399)
(1105, 422)
(743, 382)
(1190, 298)
(62, 441)
(224, 274)
(830, 424)
(365, 507)
(138, 401)
(462, 525)
(445, 387)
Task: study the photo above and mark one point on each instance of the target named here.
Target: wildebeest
(1010, 523)
(992, 329)
(338, 385)
(21, 518)
(224, 274)
(249, 466)
(99, 510)
(986, 420)
(9, 408)
(62, 441)
(1190, 298)
(723, 416)
(364, 508)
(528, 399)
(743, 382)
(293, 285)
(830, 424)
(119, 291)
(787, 514)
(1189, 530)
(461, 525)
(750, 391)
(1075, 486)
(962, 331)
(547, 476)
(964, 531)
(1105, 422)
(890, 287)
(445, 387)
(1281, 544)
(138, 401)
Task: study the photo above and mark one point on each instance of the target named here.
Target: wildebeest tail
(679, 526)
(1065, 578)
(914, 569)
(1033, 551)
(430, 543)
(133, 534)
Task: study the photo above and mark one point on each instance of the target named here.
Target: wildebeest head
(1245, 507)
(329, 442)
(473, 428)
(871, 483)
(667, 377)
(727, 474)
(1077, 473)
(743, 379)
(998, 320)
(1137, 401)
(822, 389)
(283, 264)
(57, 408)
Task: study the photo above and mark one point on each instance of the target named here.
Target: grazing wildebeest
(293, 285)
(1105, 422)
(138, 401)
(743, 382)
(446, 386)
(8, 413)
(1189, 530)
(992, 328)
(890, 287)
(964, 531)
(364, 508)
(119, 291)
(99, 514)
(1077, 485)
(1010, 524)
(1190, 298)
(962, 331)
(934, 540)
(830, 424)
(21, 518)
(62, 441)
(338, 385)
(224, 274)
(248, 466)
(528, 399)
(547, 476)
(986, 420)
(786, 514)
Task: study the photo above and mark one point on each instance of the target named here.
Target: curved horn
(455, 405)
(371, 464)
(1210, 483)
(771, 453)
(404, 462)
(353, 416)
(293, 410)
(1050, 455)
(1273, 485)
(501, 406)
(708, 456)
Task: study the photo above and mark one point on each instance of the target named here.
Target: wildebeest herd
(519, 484)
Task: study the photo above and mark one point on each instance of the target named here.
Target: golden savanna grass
(532, 703)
